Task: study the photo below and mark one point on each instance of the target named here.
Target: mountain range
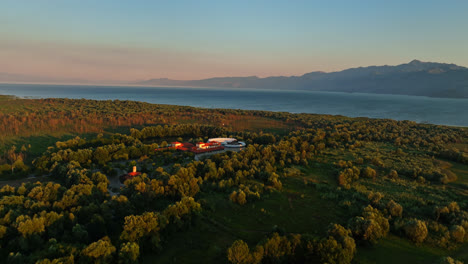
(414, 78)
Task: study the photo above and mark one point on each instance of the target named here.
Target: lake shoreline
(420, 109)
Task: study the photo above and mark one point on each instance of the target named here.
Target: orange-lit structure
(199, 148)
(214, 144)
(130, 174)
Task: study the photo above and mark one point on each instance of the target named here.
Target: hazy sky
(136, 40)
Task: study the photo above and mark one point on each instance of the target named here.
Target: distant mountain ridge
(414, 78)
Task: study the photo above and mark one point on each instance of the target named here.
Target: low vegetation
(306, 189)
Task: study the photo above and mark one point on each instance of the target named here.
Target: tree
(241, 198)
(238, 253)
(347, 176)
(183, 209)
(278, 248)
(3, 230)
(28, 226)
(394, 209)
(416, 230)
(101, 251)
(338, 248)
(375, 197)
(371, 226)
(137, 226)
(129, 253)
(238, 197)
(80, 234)
(449, 260)
(457, 233)
(369, 173)
(101, 155)
(393, 174)
(62, 260)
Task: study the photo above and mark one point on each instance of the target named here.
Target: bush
(457, 233)
(416, 230)
(449, 260)
(394, 209)
(371, 226)
(369, 173)
(239, 253)
(393, 174)
(338, 248)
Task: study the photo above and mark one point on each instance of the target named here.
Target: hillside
(414, 78)
(306, 189)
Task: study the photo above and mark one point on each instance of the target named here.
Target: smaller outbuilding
(129, 175)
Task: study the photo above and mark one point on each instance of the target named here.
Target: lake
(442, 111)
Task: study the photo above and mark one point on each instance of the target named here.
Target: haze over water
(442, 111)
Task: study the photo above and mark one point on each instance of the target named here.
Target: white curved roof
(221, 140)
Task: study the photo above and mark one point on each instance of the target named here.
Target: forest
(306, 189)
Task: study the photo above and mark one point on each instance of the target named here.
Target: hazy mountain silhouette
(413, 78)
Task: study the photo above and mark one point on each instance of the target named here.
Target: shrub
(369, 173)
(371, 226)
(416, 230)
(338, 248)
(394, 209)
(457, 233)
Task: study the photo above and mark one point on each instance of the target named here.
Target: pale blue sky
(132, 40)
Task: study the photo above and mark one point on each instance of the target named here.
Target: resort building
(213, 144)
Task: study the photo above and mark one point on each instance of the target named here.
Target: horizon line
(63, 81)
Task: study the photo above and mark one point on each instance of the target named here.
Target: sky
(117, 40)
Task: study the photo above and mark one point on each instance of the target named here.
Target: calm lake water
(443, 111)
